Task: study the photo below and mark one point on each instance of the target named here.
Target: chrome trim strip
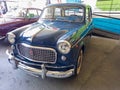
(44, 48)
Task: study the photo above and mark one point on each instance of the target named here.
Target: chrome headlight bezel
(63, 46)
(11, 37)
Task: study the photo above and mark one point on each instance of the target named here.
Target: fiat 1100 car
(54, 45)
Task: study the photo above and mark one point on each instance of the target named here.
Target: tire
(79, 63)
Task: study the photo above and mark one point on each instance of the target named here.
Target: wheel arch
(76, 50)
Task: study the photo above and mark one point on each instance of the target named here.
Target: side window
(32, 14)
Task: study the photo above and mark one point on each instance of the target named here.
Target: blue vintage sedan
(54, 45)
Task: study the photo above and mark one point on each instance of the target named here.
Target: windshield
(70, 14)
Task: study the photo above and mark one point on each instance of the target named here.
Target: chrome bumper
(39, 72)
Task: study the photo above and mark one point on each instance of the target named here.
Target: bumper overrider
(43, 72)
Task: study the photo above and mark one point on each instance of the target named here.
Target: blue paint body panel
(107, 24)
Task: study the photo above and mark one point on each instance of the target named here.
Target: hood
(47, 33)
(62, 25)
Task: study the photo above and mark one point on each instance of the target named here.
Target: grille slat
(37, 54)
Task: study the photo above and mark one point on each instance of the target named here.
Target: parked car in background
(17, 18)
(54, 45)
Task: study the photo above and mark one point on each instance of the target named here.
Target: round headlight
(64, 46)
(11, 37)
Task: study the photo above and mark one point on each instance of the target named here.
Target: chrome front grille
(37, 54)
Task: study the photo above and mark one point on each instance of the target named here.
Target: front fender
(76, 49)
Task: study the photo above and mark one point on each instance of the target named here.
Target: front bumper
(43, 72)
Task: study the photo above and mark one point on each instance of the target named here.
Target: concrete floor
(100, 71)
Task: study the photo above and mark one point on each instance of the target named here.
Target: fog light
(63, 58)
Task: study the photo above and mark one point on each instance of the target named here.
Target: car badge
(30, 52)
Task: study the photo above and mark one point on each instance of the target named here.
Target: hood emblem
(30, 52)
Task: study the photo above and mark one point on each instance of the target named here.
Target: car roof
(66, 4)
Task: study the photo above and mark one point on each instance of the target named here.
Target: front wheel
(79, 63)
